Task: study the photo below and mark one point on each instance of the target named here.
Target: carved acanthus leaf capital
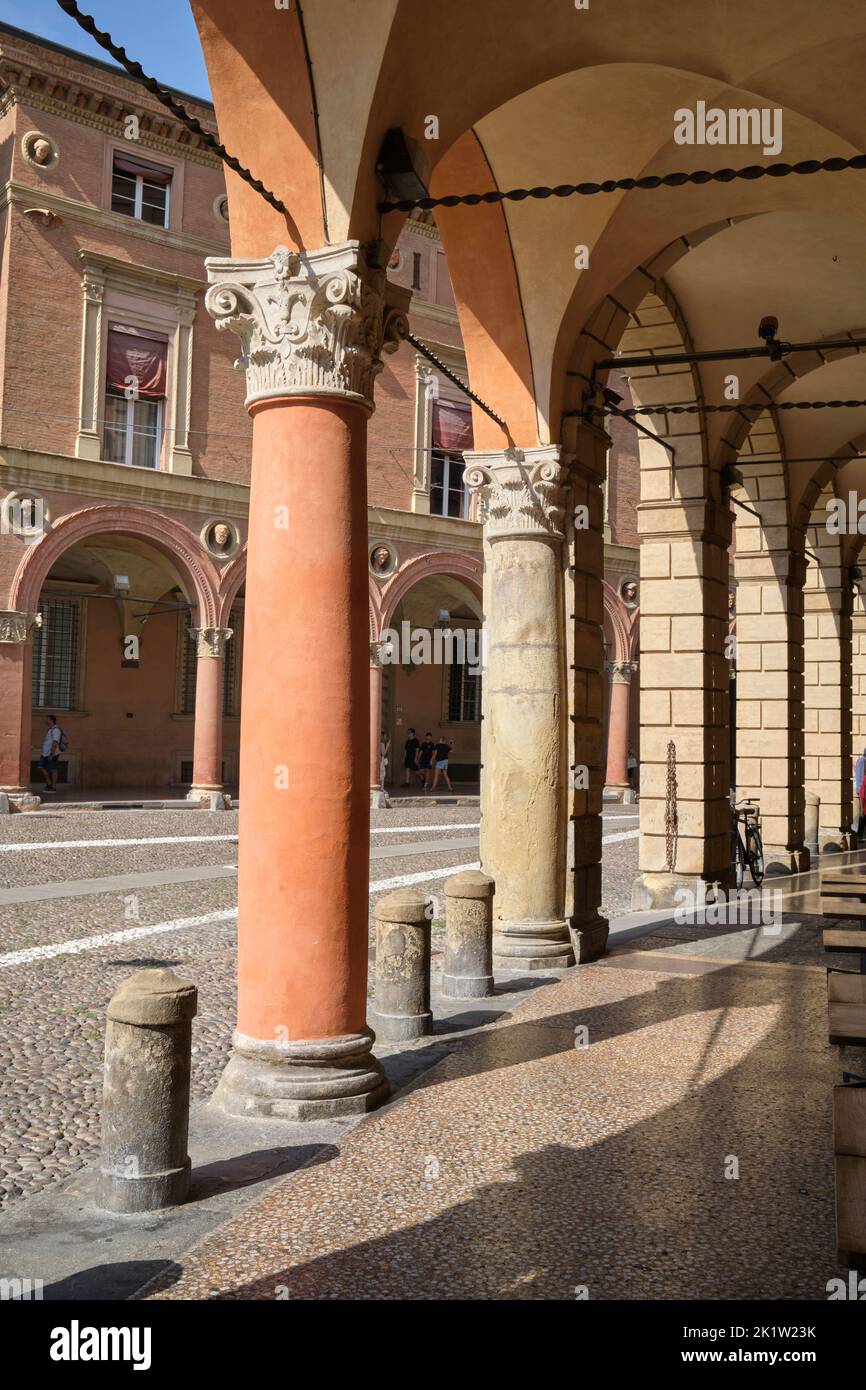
(521, 492)
(210, 641)
(620, 672)
(311, 323)
(17, 628)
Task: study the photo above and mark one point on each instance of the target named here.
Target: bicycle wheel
(739, 861)
(755, 854)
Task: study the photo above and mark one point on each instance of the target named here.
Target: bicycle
(747, 846)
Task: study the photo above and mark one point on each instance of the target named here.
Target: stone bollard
(145, 1102)
(468, 969)
(401, 1008)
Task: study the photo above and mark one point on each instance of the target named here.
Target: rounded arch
(465, 567)
(174, 540)
(230, 582)
(616, 623)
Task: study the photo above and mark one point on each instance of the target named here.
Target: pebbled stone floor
(653, 1126)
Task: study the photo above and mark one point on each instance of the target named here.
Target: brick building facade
(125, 456)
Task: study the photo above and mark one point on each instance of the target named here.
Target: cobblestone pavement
(656, 1125)
(55, 980)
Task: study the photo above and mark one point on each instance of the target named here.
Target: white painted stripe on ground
(403, 880)
(109, 844)
(410, 829)
(118, 938)
(626, 835)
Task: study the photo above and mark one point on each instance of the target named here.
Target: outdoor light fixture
(396, 168)
(443, 617)
(856, 576)
(768, 329)
(121, 583)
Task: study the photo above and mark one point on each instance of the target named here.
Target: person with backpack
(54, 742)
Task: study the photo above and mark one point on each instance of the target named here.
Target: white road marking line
(108, 844)
(411, 829)
(118, 938)
(403, 880)
(625, 835)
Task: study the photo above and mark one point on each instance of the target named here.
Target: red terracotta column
(620, 673)
(207, 774)
(377, 791)
(16, 665)
(312, 329)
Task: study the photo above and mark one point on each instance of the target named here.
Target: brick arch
(230, 581)
(456, 566)
(615, 623)
(174, 540)
(823, 476)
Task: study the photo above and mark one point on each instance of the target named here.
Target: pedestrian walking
(440, 761)
(384, 750)
(410, 758)
(425, 758)
(49, 763)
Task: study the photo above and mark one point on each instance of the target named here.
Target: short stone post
(402, 1000)
(468, 969)
(145, 1101)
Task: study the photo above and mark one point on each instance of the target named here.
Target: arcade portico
(547, 290)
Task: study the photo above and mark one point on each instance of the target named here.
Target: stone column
(522, 495)
(620, 673)
(769, 665)
(210, 671)
(828, 700)
(377, 791)
(583, 572)
(16, 701)
(313, 327)
(685, 758)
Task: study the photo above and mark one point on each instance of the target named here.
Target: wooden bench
(843, 893)
(849, 1145)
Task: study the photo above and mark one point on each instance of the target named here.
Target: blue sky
(159, 34)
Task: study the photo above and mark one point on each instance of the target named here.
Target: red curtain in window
(452, 426)
(129, 165)
(140, 353)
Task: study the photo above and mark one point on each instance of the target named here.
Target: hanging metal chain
(671, 817)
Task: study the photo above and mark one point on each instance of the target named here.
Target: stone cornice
(103, 103)
(438, 313)
(114, 222)
(118, 272)
(422, 528)
(114, 482)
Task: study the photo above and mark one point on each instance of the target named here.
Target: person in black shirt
(425, 758)
(410, 758)
(440, 761)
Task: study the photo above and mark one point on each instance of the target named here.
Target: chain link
(671, 817)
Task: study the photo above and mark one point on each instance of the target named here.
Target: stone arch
(465, 567)
(170, 537)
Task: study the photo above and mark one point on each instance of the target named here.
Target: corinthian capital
(210, 641)
(16, 628)
(522, 492)
(310, 323)
(620, 672)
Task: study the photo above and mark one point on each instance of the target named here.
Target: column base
(217, 799)
(588, 938)
(321, 1079)
(651, 890)
(532, 946)
(18, 799)
(378, 799)
(832, 841)
(780, 860)
(402, 1027)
